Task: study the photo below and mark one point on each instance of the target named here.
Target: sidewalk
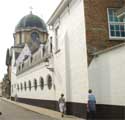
(43, 111)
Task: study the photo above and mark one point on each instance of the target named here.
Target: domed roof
(31, 21)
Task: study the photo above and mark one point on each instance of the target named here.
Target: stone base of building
(111, 112)
(76, 109)
(79, 109)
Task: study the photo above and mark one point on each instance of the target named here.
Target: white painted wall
(107, 77)
(71, 62)
(35, 73)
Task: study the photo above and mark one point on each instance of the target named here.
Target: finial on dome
(31, 8)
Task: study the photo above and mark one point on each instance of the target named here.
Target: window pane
(112, 33)
(112, 27)
(120, 20)
(111, 18)
(110, 11)
(116, 19)
(122, 34)
(122, 27)
(116, 27)
(117, 33)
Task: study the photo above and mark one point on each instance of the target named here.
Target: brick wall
(97, 24)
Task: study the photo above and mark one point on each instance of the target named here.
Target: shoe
(62, 115)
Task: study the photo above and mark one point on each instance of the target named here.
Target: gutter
(108, 49)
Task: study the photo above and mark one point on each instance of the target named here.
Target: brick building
(97, 28)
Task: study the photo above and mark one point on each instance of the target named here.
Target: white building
(106, 78)
(44, 68)
(70, 63)
(46, 65)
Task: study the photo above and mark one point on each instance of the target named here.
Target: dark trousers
(91, 115)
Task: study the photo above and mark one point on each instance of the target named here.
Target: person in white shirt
(62, 105)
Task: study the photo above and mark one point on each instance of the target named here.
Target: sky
(11, 11)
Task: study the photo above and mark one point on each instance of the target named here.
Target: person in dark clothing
(91, 106)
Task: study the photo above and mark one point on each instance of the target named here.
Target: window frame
(109, 29)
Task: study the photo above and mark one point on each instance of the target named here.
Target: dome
(31, 21)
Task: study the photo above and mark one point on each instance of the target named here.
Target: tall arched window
(29, 85)
(49, 82)
(35, 84)
(41, 83)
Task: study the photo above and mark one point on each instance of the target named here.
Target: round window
(41, 83)
(49, 80)
(35, 84)
(29, 85)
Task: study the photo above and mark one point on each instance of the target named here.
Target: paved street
(14, 112)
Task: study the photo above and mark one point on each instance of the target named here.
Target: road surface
(14, 112)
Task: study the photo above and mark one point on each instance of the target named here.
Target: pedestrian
(62, 105)
(91, 106)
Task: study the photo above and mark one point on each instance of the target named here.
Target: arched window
(49, 82)
(41, 83)
(18, 87)
(35, 84)
(25, 87)
(29, 85)
(35, 36)
(21, 86)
